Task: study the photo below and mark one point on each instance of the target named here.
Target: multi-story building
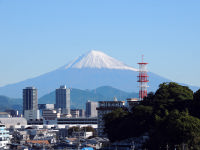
(50, 116)
(12, 112)
(32, 114)
(132, 102)
(91, 109)
(4, 115)
(13, 122)
(4, 137)
(45, 106)
(63, 99)
(75, 113)
(42, 107)
(81, 113)
(30, 99)
(106, 107)
(77, 121)
(30, 103)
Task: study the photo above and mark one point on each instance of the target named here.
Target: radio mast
(142, 79)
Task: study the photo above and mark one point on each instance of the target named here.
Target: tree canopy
(170, 117)
(197, 96)
(173, 91)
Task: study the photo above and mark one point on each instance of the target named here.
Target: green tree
(120, 124)
(194, 109)
(168, 97)
(73, 129)
(89, 129)
(141, 120)
(164, 115)
(112, 123)
(173, 91)
(197, 96)
(176, 129)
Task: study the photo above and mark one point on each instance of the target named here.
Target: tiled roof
(38, 141)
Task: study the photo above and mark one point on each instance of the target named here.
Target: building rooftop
(39, 142)
(30, 87)
(13, 121)
(111, 101)
(132, 99)
(4, 113)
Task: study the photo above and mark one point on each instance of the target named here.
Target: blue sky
(39, 36)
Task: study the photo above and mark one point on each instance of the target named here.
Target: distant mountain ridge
(78, 97)
(89, 71)
(9, 103)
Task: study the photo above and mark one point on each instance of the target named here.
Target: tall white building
(106, 107)
(91, 109)
(63, 99)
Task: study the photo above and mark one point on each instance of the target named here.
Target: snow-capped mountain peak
(99, 60)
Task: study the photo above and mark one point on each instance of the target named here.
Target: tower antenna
(143, 79)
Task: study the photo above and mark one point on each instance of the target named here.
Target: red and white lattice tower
(143, 79)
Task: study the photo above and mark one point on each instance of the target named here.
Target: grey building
(42, 107)
(75, 113)
(63, 99)
(30, 99)
(81, 113)
(77, 121)
(106, 107)
(46, 106)
(30, 103)
(91, 109)
(13, 122)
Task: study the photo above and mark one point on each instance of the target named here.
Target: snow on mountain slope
(92, 70)
(98, 60)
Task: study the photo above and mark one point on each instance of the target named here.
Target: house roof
(38, 141)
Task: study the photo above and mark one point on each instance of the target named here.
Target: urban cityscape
(105, 124)
(99, 75)
(57, 126)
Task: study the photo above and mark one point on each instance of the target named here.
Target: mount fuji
(89, 71)
(97, 60)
